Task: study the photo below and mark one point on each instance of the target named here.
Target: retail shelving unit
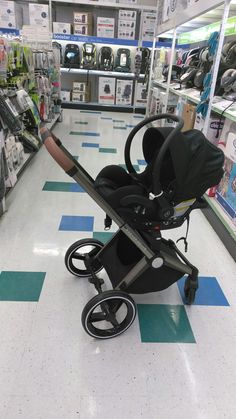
(109, 9)
(184, 30)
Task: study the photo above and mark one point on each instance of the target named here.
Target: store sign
(202, 34)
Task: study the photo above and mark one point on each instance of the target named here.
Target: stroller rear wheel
(76, 254)
(108, 314)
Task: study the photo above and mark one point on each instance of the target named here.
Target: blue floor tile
(118, 120)
(106, 118)
(209, 292)
(76, 223)
(119, 127)
(130, 126)
(75, 187)
(92, 145)
(142, 162)
(85, 133)
(95, 112)
(138, 116)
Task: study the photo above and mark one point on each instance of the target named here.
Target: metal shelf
(117, 74)
(193, 95)
(102, 107)
(110, 5)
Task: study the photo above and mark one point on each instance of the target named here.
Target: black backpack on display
(145, 63)
(89, 56)
(123, 60)
(72, 56)
(106, 59)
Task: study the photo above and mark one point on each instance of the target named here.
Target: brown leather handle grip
(59, 156)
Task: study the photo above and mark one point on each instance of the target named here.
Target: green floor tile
(57, 186)
(81, 122)
(103, 236)
(164, 323)
(107, 150)
(21, 286)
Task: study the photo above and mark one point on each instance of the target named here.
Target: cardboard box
(105, 27)
(226, 190)
(107, 90)
(7, 14)
(81, 87)
(124, 92)
(38, 14)
(125, 14)
(214, 132)
(189, 114)
(126, 24)
(80, 97)
(83, 18)
(126, 34)
(141, 94)
(80, 29)
(65, 95)
(60, 27)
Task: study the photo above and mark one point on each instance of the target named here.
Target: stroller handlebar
(59, 156)
(157, 166)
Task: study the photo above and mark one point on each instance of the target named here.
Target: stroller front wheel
(77, 253)
(108, 314)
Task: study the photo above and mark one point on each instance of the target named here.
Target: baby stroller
(180, 168)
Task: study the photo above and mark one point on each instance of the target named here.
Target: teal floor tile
(81, 123)
(164, 324)
(119, 127)
(135, 166)
(103, 236)
(57, 186)
(21, 286)
(108, 150)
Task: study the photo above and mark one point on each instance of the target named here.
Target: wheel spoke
(113, 320)
(97, 317)
(116, 306)
(78, 257)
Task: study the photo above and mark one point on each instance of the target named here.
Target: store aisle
(174, 362)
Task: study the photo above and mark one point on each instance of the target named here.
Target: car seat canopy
(191, 162)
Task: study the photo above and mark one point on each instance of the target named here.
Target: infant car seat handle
(166, 211)
(156, 173)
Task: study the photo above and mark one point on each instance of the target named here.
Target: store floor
(174, 362)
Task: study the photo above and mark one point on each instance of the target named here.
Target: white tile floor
(49, 367)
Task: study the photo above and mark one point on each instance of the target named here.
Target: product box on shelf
(149, 22)
(107, 90)
(83, 18)
(82, 29)
(214, 132)
(80, 97)
(125, 14)
(7, 14)
(81, 87)
(226, 190)
(126, 33)
(65, 95)
(171, 107)
(105, 27)
(141, 94)
(188, 115)
(126, 24)
(128, 1)
(60, 27)
(38, 14)
(124, 92)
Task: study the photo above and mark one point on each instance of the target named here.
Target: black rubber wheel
(108, 314)
(189, 293)
(75, 257)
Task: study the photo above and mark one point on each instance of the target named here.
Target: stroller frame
(154, 257)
